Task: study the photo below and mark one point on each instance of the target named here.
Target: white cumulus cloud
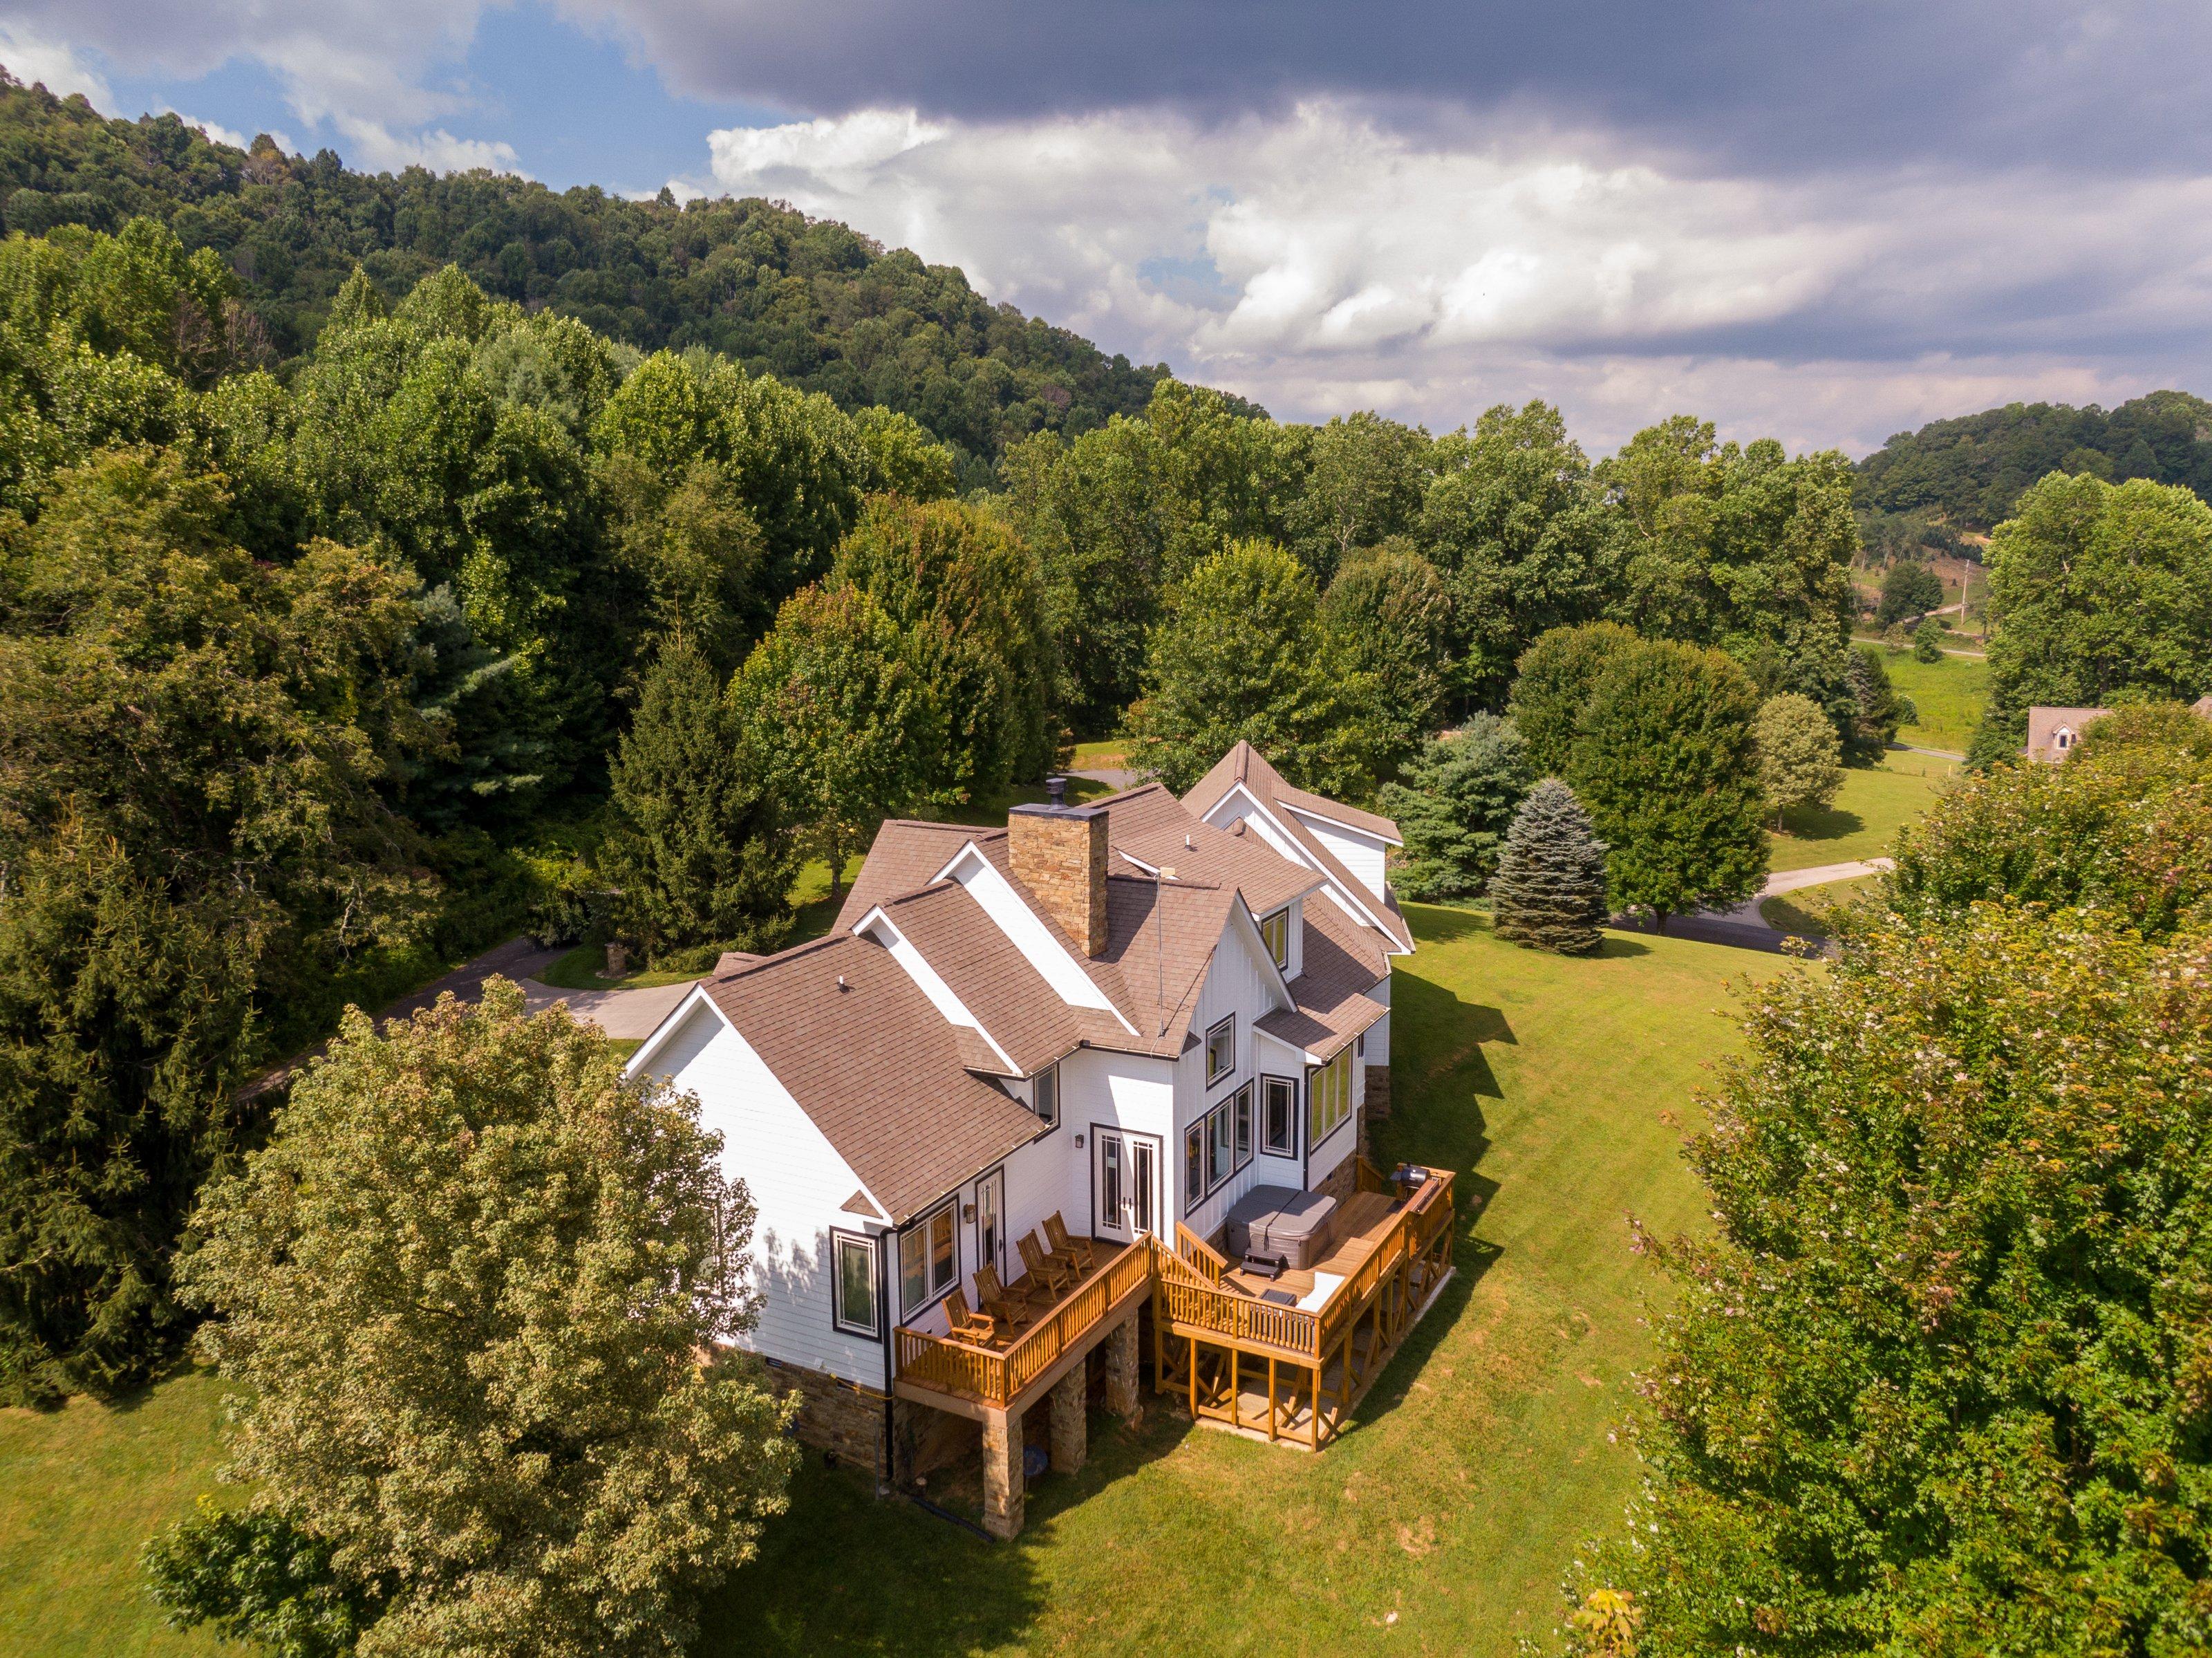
(1322, 259)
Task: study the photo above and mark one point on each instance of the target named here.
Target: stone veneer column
(1070, 1431)
(1003, 1494)
(1121, 1363)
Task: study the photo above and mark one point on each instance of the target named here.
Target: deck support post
(1122, 1364)
(1004, 1494)
(1271, 1398)
(1070, 1426)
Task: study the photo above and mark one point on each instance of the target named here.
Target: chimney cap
(1055, 790)
(1041, 809)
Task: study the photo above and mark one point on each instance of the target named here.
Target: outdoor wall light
(967, 1211)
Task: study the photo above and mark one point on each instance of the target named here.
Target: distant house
(1106, 1067)
(2052, 732)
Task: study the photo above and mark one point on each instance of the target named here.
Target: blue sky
(1822, 221)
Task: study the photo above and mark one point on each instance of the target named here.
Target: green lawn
(1481, 1458)
(81, 1490)
(1950, 695)
(579, 970)
(1798, 912)
(1873, 805)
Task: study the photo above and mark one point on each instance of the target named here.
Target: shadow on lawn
(846, 1572)
(1820, 823)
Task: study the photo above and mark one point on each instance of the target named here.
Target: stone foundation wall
(924, 1440)
(1378, 1092)
(834, 1414)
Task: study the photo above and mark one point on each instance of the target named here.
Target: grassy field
(579, 970)
(1481, 1458)
(81, 1490)
(1950, 696)
(1873, 805)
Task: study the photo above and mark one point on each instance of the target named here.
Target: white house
(1128, 1016)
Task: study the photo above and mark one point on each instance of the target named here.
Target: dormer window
(1276, 930)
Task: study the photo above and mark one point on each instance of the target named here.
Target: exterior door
(1125, 1184)
(991, 1220)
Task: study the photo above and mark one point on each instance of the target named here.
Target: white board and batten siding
(798, 1185)
(1240, 982)
(1361, 854)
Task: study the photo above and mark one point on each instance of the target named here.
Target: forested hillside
(819, 306)
(1971, 470)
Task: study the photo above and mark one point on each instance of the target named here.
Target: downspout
(889, 1482)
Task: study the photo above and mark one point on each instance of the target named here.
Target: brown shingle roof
(1342, 963)
(1151, 826)
(1245, 765)
(905, 855)
(875, 1066)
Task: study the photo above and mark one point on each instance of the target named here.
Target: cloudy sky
(1822, 221)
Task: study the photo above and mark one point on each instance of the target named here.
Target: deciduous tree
(1800, 762)
(1554, 681)
(844, 724)
(1936, 1382)
(1665, 762)
(476, 1294)
(1240, 654)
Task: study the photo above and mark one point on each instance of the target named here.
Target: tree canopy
(476, 1291)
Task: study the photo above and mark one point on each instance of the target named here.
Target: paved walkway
(1743, 927)
(625, 1015)
(1113, 776)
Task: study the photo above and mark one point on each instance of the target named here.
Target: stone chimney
(1059, 852)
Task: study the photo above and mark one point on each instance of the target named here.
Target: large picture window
(1216, 1146)
(1278, 1121)
(1221, 1050)
(1276, 930)
(1329, 1097)
(853, 1290)
(929, 1259)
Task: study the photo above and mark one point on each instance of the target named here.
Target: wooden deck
(1287, 1372)
(971, 1377)
(1292, 1374)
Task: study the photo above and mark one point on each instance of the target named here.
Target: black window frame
(1289, 1085)
(1193, 1165)
(839, 1241)
(1229, 1025)
(1283, 915)
(1241, 1135)
(1036, 1090)
(1213, 1154)
(920, 1225)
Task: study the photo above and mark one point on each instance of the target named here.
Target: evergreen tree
(1879, 708)
(697, 849)
(1549, 890)
(1928, 642)
(1665, 762)
(1454, 808)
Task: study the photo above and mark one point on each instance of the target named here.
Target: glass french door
(1125, 1184)
(991, 1220)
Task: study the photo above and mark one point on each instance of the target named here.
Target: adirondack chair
(993, 1297)
(1057, 1276)
(968, 1326)
(1078, 1253)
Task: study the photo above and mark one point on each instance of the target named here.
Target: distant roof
(2044, 725)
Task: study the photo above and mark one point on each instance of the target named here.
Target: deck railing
(1309, 1333)
(1193, 1295)
(997, 1376)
